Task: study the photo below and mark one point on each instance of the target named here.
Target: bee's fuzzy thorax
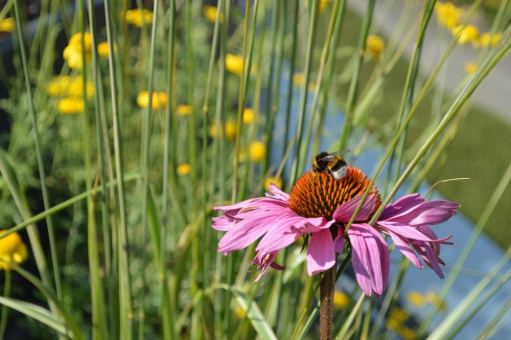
(318, 194)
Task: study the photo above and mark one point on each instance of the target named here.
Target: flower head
(341, 300)
(448, 14)
(7, 25)
(230, 130)
(184, 110)
(183, 169)
(73, 52)
(71, 105)
(159, 99)
(375, 46)
(319, 208)
(467, 34)
(210, 12)
(248, 115)
(470, 67)
(139, 17)
(234, 63)
(67, 86)
(12, 249)
(257, 151)
(489, 40)
(104, 49)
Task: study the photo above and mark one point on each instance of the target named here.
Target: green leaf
(35, 312)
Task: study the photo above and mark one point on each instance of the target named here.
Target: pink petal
(264, 261)
(406, 250)
(344, 212)
(404, 203)
(279, 236)
(320, 252)
(429, 257)
(275, 192)
(339, 241)
(430, 212)
(360, 260)
(408, 232)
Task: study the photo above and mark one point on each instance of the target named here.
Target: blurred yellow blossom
(488, 40)
(470, 67)
(71, 105)
(210, 12)
(234, 63)
(184, 110)
(136, 17)
(12, 249)
(7, 25)
(278, 182)
(159, 99)
(183, 169)
(104, 49)
(230, 130)
(257, 151)
(67, 86)
(58, 86)
(375, 46)
(240, 312)
(248, 115)
(432, 298)
(341, 300)
(322, 4)
(298, 79)
(416, 298)
(468, 34)
(399, 314)
(448, 15)
(73, 51)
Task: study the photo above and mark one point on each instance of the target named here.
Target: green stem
(5, 309)
(326, 293)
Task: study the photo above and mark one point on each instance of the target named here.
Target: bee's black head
(319, 161)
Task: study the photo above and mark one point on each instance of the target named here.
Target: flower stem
(326, 293)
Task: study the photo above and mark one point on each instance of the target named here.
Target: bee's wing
(338, 153)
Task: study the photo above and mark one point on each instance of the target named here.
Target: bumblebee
(331, 163)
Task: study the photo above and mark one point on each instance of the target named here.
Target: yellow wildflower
(230, 130)
(183, 169)
(322, 4)
(73, 52)
(432, 298)
(448, 15)
(234, 63)
(137, 17)
(210, 12)
(341, 300)
(159, 99)
(257, 151)
(298, 79)
(76, 88)
(407, 333)
(470, 67)
(71, 105)
(375, 46)
(248, 116)
(416, 298)
(488, 40)
(399, 314)
(184, 110)
(468, 34)
(278, 182)
(103, 49)
(12, 249)
(7, 25)
(58, 86)
(240, 312)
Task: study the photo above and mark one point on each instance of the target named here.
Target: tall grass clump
(136, 133)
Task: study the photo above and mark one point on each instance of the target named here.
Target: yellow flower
(399, 314)
(416, 298)
(58, 86)
(7, 25)
(248, 116)
(298, 79)
(278, 182)
(375, 46)
(406, 333)
(210, 12)
(240, 312)
(234, 63)
(183, 169)
(468, 34)
(448, 15)
(184, 110)
(230, 130)
(322, 4)
(432, 298)
(76, 88)
(159, 99)
(73, 52)
(488, 40)
(12, 249)
(257, 151)
(136, 17)
(341, 300)
(70, 105)
(470, 67)
(67, 86)
(104, 49)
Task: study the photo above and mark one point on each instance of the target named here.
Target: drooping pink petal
(377, 256)
(346, 210)
(359, 260)
(429, 257)
(264, 261)
(408, 232)
(320, 252)
(405, 249)
(277, 193)
(403, 204)
(339, 241)
(429, 212)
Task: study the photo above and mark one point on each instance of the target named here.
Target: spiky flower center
(318, 194)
